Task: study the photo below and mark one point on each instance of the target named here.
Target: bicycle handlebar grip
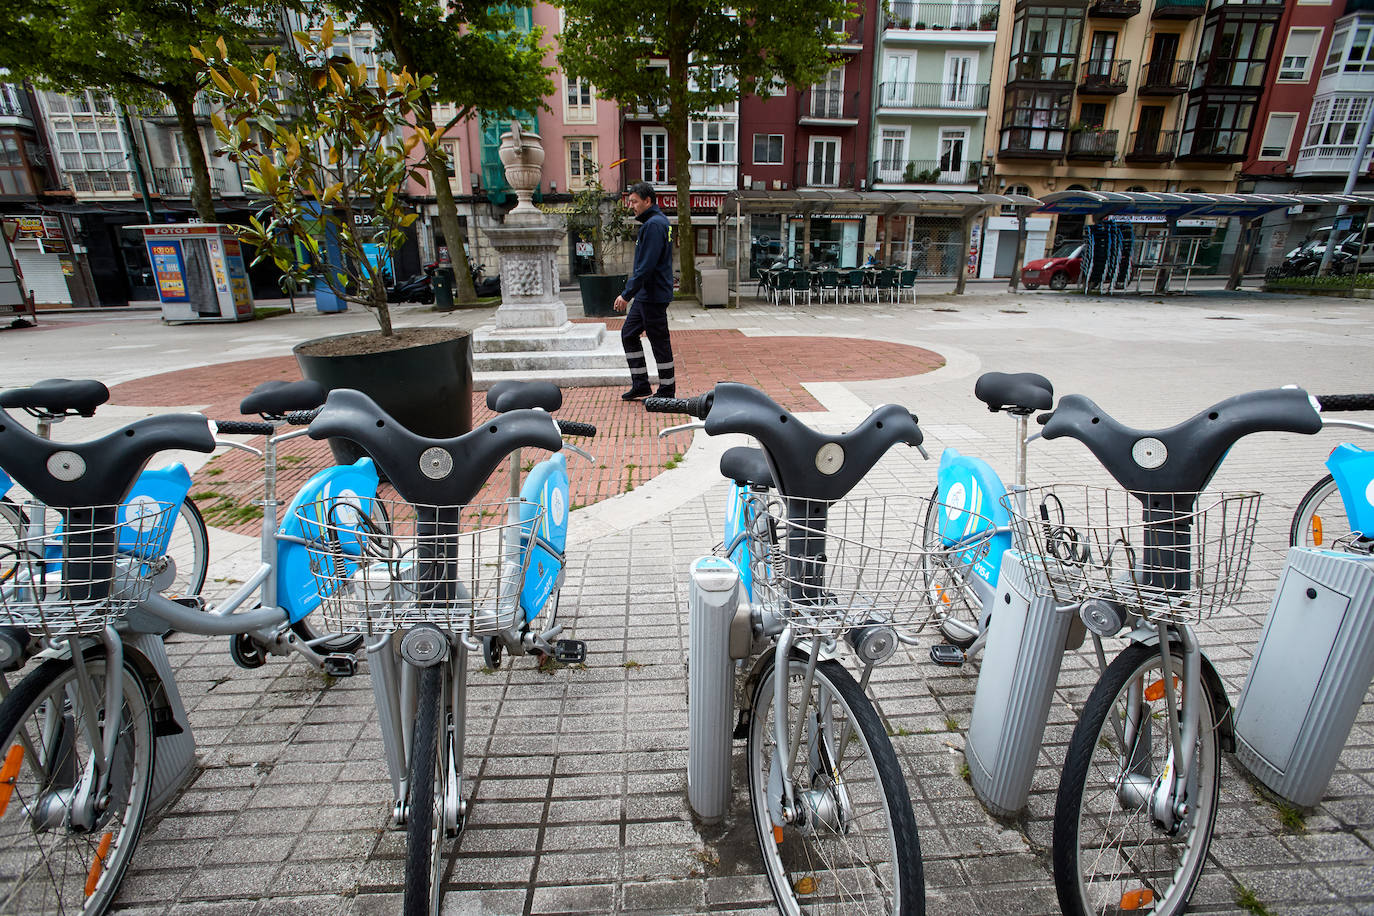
(243, 428)
(1336, 402)
(574, 428)
(302, 417)
(697, 407)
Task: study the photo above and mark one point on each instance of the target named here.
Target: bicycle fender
(736, 522)
(971, 501)
(1353, 469)
(167, 486)
(1211, 682)
(297, 592)
(547, 486)
(5, 482)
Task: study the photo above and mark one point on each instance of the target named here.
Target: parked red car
(1061, 268)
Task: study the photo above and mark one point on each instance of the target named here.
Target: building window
(827, 96)
(1012, 209)
(1217, 126)
(712, 142)
(767, 149)
(706, 238)
(581, 162)
(1044, 43)
(1351, 51)
(579, 104)
(654, 166)
(1092, 114)
(1235, 51)
(1298, 53)
(1337, 122)
(451, 151)
(1277, 133)
(1035, 120)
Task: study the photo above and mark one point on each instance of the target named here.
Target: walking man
(647, 296)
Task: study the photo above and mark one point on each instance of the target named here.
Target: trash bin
(713, 287)
(443, 288)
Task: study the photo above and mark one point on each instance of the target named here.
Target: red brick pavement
(627, 448)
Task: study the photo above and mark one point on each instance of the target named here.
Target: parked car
(1062, 267)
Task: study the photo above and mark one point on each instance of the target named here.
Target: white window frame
(575, 153)
(453, 148)
(1342, 42)
(811, 161)
(578, 113)
(828, 85)
(1310, 58)
(1294, 117)
(666, 171)
(902, 97)
(782, 149)
(892, 169)
(952, 133)
(947, 80)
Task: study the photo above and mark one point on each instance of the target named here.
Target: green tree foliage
(715, 52)
(134, 50)
(477, 60)
(322, 137)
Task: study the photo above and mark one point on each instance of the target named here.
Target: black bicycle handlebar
(243, 428)
(574, 428)
(697, 407)
(302, 417)
(1335, 402)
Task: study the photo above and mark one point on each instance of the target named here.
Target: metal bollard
(1308, 679)
(1015, 686)
(712, 600)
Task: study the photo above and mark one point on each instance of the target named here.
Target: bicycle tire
(1320, 518)
(959, 616)
(189, 552)
(881, 792)
(59, 863)
(428, 785)
(1163, 872)
(12, 522)
(311, 628)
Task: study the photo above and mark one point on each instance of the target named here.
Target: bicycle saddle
(1017, 393)
(513, 395)
(746, 466)
(277, 399)
(808, 463)
(99, 472)
(436, 472)
(58, 396)
(1182, 458)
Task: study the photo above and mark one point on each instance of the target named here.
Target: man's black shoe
(637, 392)
(666, 391)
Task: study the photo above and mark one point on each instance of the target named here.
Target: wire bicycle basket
(829, 567)
(72, 571)
(1173, 557)
(382, 565)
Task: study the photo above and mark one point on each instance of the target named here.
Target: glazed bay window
(1352, 50)
(1336, 123)
(1217, 127)
(1235, 50)
(1035, 121)
(713, 148)
(1044, 41)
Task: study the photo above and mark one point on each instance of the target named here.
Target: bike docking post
(1026, 642)
(713, 599)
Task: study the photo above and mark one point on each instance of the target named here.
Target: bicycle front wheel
(854, 847)
(428, 788)
(1320, 519)
(1109, 854)
(56, 854)
(958, 608)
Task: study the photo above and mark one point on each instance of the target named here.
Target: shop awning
(1176, 205)
(826, 202)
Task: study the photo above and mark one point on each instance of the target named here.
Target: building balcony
(916, 16)
(14, 106)
(1314, 161)
(714, 175)
(851, 36)
(1178, 9)
(84, 181)
(823, 173)
(1032, 142)
(178, 182)
(937, 97)
(1040, 68)
(1165, 77)
(1219, 146)
(1113, 9)
(1092, 144)
(1151, 146)
(166, 114)
(887, 172)
(1103, 77)
(828, 107)
(661, 173)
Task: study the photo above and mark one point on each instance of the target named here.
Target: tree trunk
(183, 103)
(383, 311)
(463, 290)
(682, 173)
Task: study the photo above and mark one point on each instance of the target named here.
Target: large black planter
(599, 292)
(426, 387)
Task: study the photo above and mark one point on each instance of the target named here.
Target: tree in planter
(714, 52)
(134, 51)
(322, 141)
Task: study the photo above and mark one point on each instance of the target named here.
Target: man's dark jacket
(652, 279)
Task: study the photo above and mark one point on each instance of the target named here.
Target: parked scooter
(417, 288)
(485, 286)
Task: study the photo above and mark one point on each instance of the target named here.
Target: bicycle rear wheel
(1108, 853)
(11, 531)
(959, 609)
(857, 850)
(1320, 519)
(428, 788)
(48, 864)
(188, 553)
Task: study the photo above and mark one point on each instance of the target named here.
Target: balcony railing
(823, 173)
(14, 103)
(201, 107)
(1152, 146)
(1327, 160)
(1113, 9)
(177, 181)
(925, 171)
(1093, 144)
(1041, 68)
(933, 95)
(919, 15)
(98, 182)
(1178, 9)
(828, 105)
(658, 172)
(1103, 76)
(851, 32)
(1165, 77)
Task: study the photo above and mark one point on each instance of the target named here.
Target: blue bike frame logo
(970, 503)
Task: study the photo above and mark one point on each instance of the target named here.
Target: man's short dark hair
(644, 191)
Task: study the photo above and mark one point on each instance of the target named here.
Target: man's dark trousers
(650, 319)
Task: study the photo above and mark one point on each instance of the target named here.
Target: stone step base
(563, 378)
(579, 337)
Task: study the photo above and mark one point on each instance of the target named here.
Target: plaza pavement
(577, 777)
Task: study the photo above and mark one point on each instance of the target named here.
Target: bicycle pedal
(570, 651)
(945, 654)
(339, 665)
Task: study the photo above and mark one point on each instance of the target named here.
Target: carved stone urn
(522, 154)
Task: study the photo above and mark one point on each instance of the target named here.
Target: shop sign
(169, 269)
(181, 231)
(698, 201)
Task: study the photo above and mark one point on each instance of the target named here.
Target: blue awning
(1177, 205)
